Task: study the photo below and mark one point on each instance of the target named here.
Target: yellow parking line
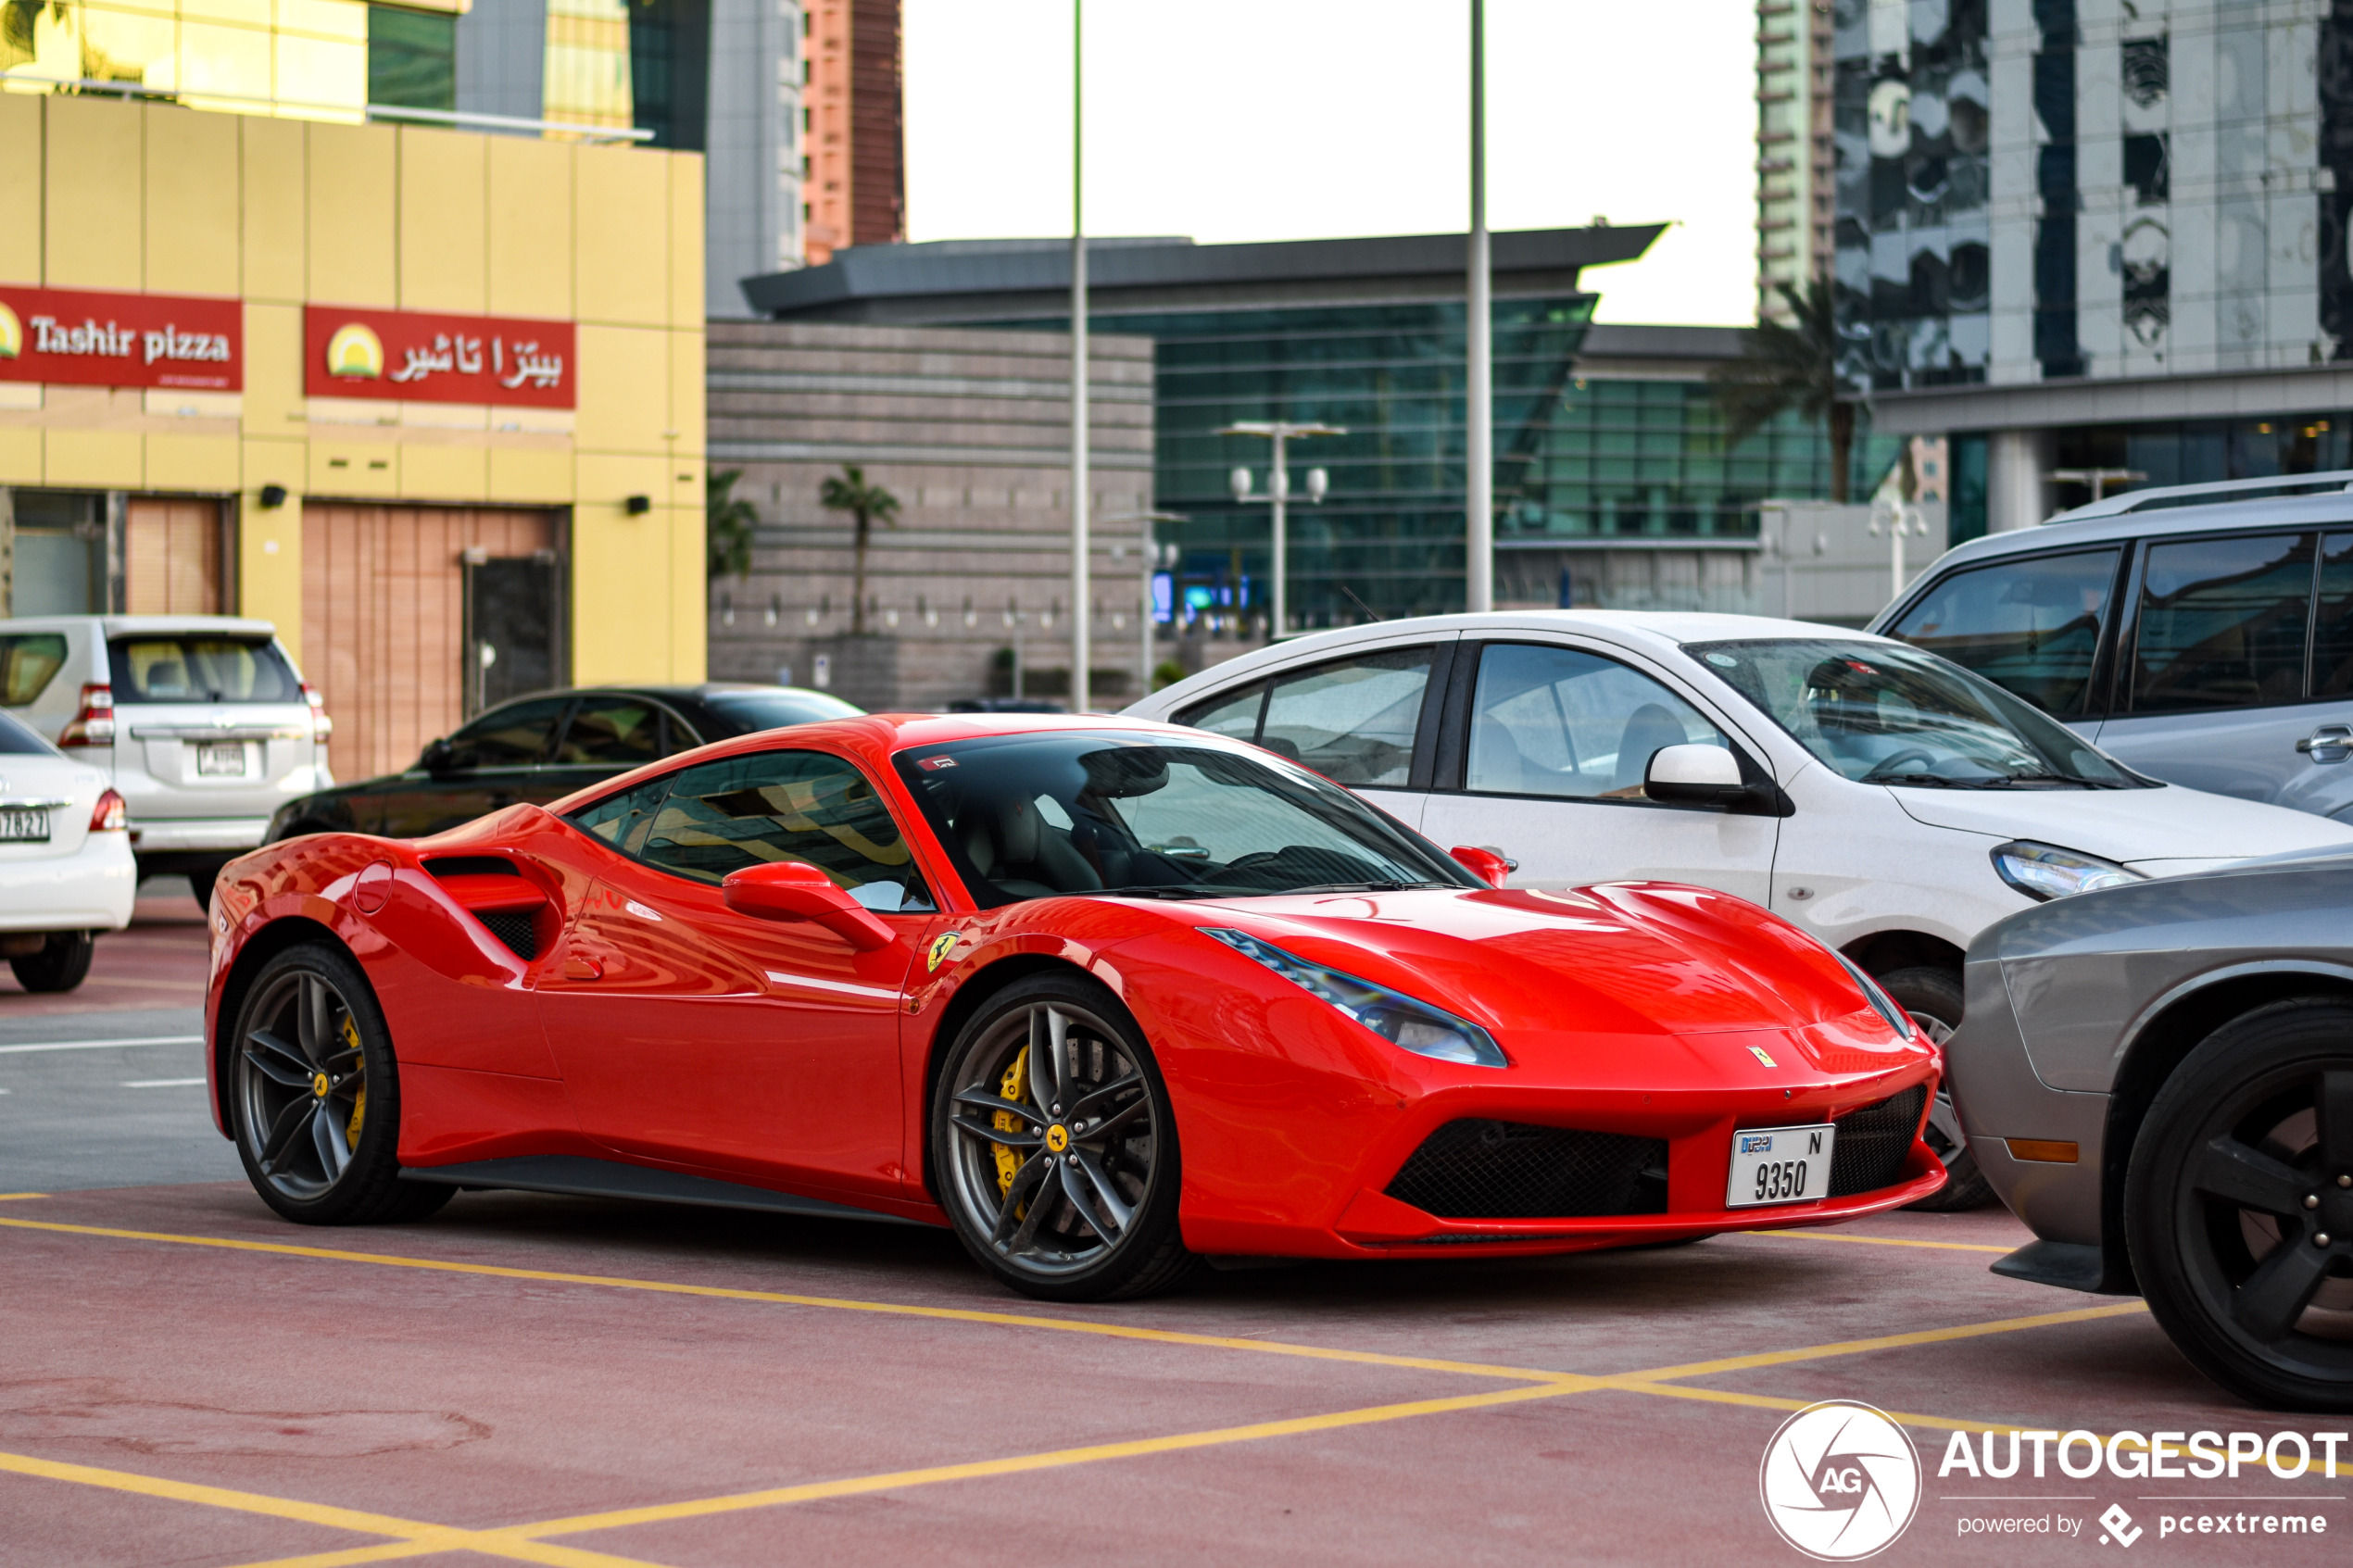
(1767, 1402)
(1889, 1342)
(724, 1293)
(5, 1197)
(1881, 1240)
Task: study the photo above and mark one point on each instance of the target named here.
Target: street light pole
(1080, 610)
(1152, 559)
(1279, 488)
(1478, 519)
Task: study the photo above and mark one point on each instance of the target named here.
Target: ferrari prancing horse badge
(939, 946)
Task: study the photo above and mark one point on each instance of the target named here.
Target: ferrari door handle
(2330, 743)
(578, 968)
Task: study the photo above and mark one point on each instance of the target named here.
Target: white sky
(1274, 119)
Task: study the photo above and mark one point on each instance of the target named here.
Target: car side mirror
(794, 890)
(440, 756)
(1488, 865)
(1696, 775)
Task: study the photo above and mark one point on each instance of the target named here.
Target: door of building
(511, 641)
(384, 631)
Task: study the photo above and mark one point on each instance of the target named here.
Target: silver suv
(201, 722)
(2202, 633)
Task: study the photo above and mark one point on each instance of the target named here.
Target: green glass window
(413, 59)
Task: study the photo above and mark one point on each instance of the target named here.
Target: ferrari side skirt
(578, 1176)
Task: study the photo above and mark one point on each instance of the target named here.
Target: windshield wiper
(1359, 887)
(1932, 781)
(1154, 890)
(2006, 781)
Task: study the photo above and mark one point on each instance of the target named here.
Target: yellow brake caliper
(1013, 1086)
(360, 1101)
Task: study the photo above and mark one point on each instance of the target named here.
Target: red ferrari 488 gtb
(1104, 995)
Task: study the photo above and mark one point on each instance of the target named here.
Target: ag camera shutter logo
(1840, 1481)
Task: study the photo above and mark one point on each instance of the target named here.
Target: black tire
(314, 1095)
(1077, 1246)
(1933, 997)
(200, 884)
(2238, 1206)
(62, 963)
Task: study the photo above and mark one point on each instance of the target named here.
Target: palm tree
(1788, 365)
(728, 522)
(867, 505)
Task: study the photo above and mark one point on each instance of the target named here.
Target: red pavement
(158, 962)
(482, 1399)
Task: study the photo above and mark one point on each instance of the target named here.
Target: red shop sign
(414, 356)
(74, 338)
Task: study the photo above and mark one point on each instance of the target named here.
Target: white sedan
(66, 868)
(1888, 802)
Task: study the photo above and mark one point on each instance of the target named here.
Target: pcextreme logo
(355, 351)
(11, 334)
(1840, 1481)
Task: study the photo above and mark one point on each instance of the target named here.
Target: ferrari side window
(769, 806)
(622, 820)
(1558, 721)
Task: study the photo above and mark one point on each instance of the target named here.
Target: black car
(542, 747)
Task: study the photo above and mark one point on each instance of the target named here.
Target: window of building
(413, 59)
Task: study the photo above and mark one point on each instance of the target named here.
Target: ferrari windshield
(1034, 816)
(1882, 713)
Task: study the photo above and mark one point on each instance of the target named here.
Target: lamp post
(1156, 556)
(1080, 593)
(1279, 488)
(1479, 399)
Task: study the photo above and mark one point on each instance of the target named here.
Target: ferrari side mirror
(794, 890)
(1490, 866)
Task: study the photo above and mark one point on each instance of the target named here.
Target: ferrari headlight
(1400, 1019)
(2043, 871)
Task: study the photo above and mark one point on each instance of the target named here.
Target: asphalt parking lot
(185, 1379)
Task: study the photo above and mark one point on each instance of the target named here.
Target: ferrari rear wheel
(1933, 999)
(2238, 1206)
(315, 1094)
(1054, 1149)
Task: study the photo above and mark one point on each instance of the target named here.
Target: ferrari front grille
(1475, 1169)
(1873, 1141)
(514, 928)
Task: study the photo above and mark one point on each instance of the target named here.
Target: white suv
(201, 721)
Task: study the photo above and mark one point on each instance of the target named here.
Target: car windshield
(773, 710)
(1887, 714)
(1035, 816)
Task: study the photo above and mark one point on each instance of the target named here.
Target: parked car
(66, 869)
(980, 971)
(2199, 633)
(201, 722)
(1888, 802)
(544, 746)
(2159, 1079)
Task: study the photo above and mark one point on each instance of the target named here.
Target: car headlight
(2044, 872)
(1881, 1003)
(1400, 1019)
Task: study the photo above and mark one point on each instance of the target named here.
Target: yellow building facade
(353, 522)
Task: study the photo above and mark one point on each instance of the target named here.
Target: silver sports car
(2159, 1080)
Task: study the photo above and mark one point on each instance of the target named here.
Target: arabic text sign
(75, 338)
(414, 356)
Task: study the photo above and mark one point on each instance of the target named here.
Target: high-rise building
(2088, 234)
(1797, 159)
(854, 173)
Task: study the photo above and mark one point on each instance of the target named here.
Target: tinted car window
(623, 731)
(784, 806)
(1559, 722)
(769, 710)
(186, 667)
(1352, 720)
(29, 660)
(622, 820)
(2031, 626)
(2333, 622)
(2221, 624)
(511, 736)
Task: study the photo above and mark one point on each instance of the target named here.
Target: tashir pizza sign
(416, 356)
(71, 337)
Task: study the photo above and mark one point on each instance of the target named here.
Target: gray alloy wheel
(1053, 1149)
(314, 1095)
(1933, 999)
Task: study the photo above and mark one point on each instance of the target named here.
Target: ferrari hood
(1633, 958)
(2157, 831)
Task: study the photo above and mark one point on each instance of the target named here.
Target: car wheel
(1052, 1146)
(2238, 1206)
(1933, 999)
(315, 1096)
(62, 963)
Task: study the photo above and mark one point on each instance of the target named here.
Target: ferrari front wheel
(1053, 1149)
(314, 1095)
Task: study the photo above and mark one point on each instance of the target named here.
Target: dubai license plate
(222, 760)
(23, 824)
(1780, 1165)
